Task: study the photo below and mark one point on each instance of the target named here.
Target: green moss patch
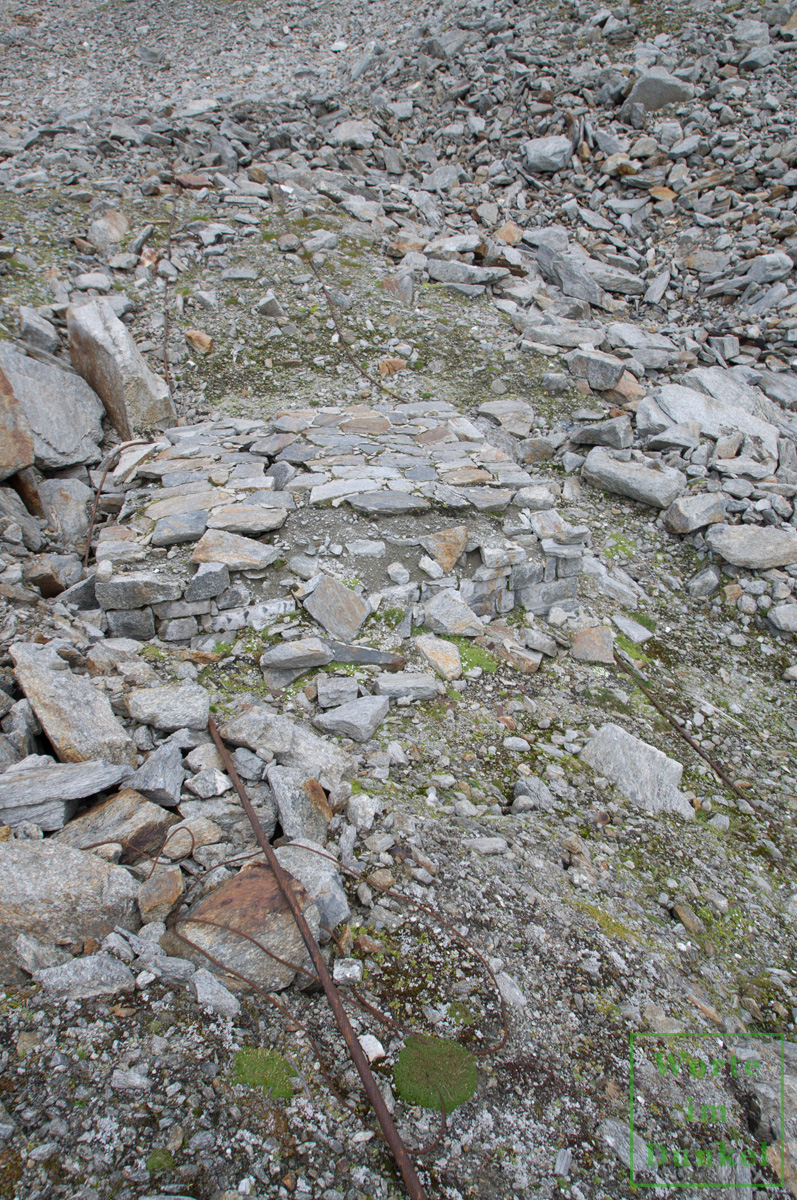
(257, 1067)
(432, 1070)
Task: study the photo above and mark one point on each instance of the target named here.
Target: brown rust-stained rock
(16, 437)
(255, 909)
(128, 818)
(160, 894)
(446, 545)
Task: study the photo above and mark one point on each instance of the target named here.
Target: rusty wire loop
(638, 678)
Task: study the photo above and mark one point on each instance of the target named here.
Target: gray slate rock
(211, 994)
(413, 685)
(103, 352)
(643, 483)
(448, 613)
(689, 513)
(67, 504)
(309, 863)
(170, 707)
(548, 154)
(301, 803)
(77, 718)
(615, 434)
(753, 547)
(337, 608)
(161, 777)
(210, 580)
(656, 88)
(49, 795)
(64, 414)
(82, 978)
(293, 745)
(641, 772)
(358, 720)
(137, 590)
(387, 503)
(784, 617)
(54, 893)
(140, 826)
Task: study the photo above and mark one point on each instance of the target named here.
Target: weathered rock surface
(640, 771)
(170, 707)
(638, 481)
(127, 818)
(58, 894)
(358, 719)
(63, 413)
(135, 398)
(747, 546)
(76, 717)
(49, 794)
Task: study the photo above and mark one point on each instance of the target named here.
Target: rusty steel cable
(415, 1188)
(638, 678)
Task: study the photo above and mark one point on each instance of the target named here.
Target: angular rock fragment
(753, 547)
(264, 732)
(233, 551)
(358, 719)
(337, 608)
(645, 483)
(309, 863)
(441, 655)
(448, 613)
(170, 707)
(49, 794)
(16, 436)
(77, 719)
(641, 772)
(412, 685)
(137, 590)
(57, 894)
(161, 777)
(135, 398)
(83, 978)
(138, 825)
(63, 414)
(695, 512)
(303, 808)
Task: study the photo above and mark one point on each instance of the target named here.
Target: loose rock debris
(480, 329)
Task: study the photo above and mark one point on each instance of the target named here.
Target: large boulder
(53, 893)
(16, 436)
(135, 398)
(647, 483)
(753, 547)
(75, 716)
(62, 412)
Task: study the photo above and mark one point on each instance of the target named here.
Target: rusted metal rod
(399, 1151)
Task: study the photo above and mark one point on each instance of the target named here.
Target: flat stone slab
(442, 656)
(387, 503)
(338, 609)
(689, 513)
(77, 718)
(414, 685)
(753, 546)
(179, 529)
(633, 479)
(49, 795)
(82, 978)
(247, 518)
(137, 590)
(641, 772)
(233, 551)
(358, 720)
(170, 707)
